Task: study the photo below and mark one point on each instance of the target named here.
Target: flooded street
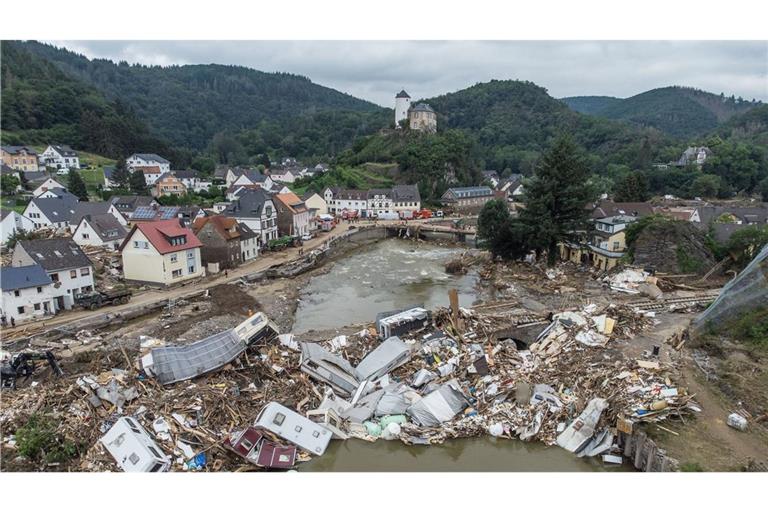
(384, 276)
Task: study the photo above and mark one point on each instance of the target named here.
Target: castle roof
(422, 107)
(402, 94)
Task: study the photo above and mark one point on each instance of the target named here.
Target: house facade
(60, 157)
(12, 222)
(54, 212)
(467, 197)
(256, 209)
(339, 200)
(292, 215)
(46, 185)
(406, 198)
(70, 270)
(193, 180)
(148, 160)
(315, 204)
(92, 208)
(151, 173)
(220, 237)
(99, 230)
(249, 243)
(27, 292)
(20, 158)
(422, 118)
(163, 253)
(168, 185)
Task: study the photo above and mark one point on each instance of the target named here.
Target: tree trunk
(552, 253)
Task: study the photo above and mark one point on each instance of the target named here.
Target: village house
(724, 221)
(20, 158)
(467, 197)
(222, 239)
(27, 292)
(12, 222)
(422, 118)
(606, 208)
(406, 198)
(315, 204)
(511, 188)
(285, 176)
(65, 263)
(155, 212)
(241, 176)
(236, 191)
(193, 180)
(48, 184)
(60, 157)
(126, 205)
(292, 215)
(684, 213)
(339, 200)
(53, 212)
(102, 230)
(84, 208)
(168, 185)
(604, 247)
(249, 243)
(255, 209)
(378, 200)
(694, 155)
(162, 253)
(141, 160)
(492, 177)
(151, 173)
(54, 193)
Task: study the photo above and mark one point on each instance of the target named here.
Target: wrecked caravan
(178, 363)
(251, 445)
(329, 368)
(386, 357)
(397, 323)
(133, 449)
(293, 427)
(439, 406)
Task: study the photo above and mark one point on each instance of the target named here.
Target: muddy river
(385, 276)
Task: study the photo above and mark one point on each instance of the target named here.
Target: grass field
(9, 203)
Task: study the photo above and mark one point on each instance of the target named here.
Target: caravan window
(157, 467)
(279, 419)
(154, 452)
(133, 458)
(247, 444)
(298, 428)
(316, 434)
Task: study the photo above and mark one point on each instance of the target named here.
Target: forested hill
(679, 111)
(513, 121)
(188, 105)
(750, 127)
(591, 105)
(41, 105)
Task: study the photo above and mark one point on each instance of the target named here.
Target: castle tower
(402, 104)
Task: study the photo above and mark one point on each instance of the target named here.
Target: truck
(423, 214)
(349, 214)
(283, 242)
(388, 216)
(97, 299)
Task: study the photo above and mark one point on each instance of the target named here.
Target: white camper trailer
(133, 449)
(293, 427)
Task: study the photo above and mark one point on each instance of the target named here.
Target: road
(154, 295)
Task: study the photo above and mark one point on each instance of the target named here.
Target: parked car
(307, 237)
(439, 213)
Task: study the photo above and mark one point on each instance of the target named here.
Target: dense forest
(188, 105)
(41, 105)
(591, 105)
(677, 111)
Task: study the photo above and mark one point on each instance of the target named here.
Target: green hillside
(678, 111)
(590, 105)
(188, 105)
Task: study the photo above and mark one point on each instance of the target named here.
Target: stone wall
(673, 247)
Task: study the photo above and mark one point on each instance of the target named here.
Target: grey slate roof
(18, 278)
(751, 214)
(422, 107)
(107, 226)
(87, 208)
(402, 94)
(186, 174)
(248, 205)
(126, 204)
(56, 253)
(246, 233)
(13, 150)
(406, 193)
(464, 192)
(64, 150)
(57, 209)
(386, 192)
(34, 176)
(150, 157)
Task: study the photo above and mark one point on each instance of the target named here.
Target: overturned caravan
(184, 362)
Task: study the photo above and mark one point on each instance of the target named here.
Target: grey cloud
(375, 70)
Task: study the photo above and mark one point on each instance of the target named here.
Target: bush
(39, 441)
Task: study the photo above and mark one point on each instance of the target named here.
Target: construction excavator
(22, 365)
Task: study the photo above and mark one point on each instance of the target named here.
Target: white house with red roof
(162, 252)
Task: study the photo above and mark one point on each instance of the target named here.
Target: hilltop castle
(420, 117)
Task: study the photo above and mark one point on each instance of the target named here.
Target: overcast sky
(377, 70)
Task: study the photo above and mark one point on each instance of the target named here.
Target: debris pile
(240, 400)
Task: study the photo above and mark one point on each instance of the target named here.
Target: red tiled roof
(220, 223)
(148, 169)
(159, 233)
(292, 201)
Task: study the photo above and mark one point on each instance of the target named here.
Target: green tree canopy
(77, 185)
(556, 198)
(706, 185)
(632, 188)
(137, 183)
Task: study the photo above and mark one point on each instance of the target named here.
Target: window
(157, 467)
(279, 419)
(37, 307)
(191, 269)
(85, 271)
(174, 258)
(133, 458)
(135, 244)
(190, 255)
(176, 273)
(39, 289)
(16, 293)
(154, 452)
(615, 246)
(298, 428)
(247, 444)
(20, 309)
(315, 434)
(55, 277)
(73, 274)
